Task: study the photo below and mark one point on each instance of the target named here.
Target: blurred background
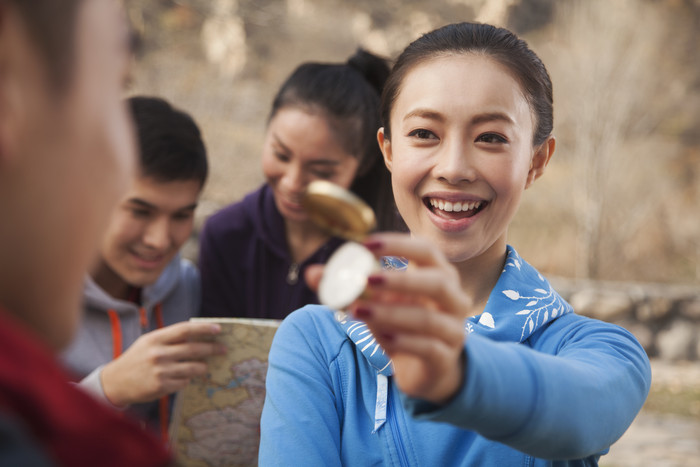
(620, 198)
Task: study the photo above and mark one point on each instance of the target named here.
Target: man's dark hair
(170, 143)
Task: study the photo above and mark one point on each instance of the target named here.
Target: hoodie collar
(267, 220)
(521, 303)
(270, 227)
(95, 296)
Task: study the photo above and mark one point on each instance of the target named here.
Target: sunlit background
(620, 199)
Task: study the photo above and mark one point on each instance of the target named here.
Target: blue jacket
(543, 386)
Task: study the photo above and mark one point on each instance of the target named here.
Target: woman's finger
(420, 284)
(384, 319)
(312, 276)
(418, 251)
(425, 367)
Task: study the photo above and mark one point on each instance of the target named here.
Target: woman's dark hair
(349, 95)
(170, 143)
(501, 45)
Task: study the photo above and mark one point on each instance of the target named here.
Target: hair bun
(375, 69)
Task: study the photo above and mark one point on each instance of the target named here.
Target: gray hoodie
(177, 292)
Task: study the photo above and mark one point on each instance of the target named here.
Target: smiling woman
(467, 356)
(322, 126)
(477, 150)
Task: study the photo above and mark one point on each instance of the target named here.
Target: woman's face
(461, 153)
(300, 147)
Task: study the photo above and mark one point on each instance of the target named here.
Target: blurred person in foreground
(66, 155)
(322, 126)
(134, 346)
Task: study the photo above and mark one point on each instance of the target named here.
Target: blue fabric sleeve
(570, 398)
(301, 423)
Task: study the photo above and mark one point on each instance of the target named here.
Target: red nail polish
(362, 312)
(376, 280)
(373, 245)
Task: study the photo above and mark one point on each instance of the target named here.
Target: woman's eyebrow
(492, 117)
(424, 113)
(327, 162)
(280, 143)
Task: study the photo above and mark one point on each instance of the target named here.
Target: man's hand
(160, 362)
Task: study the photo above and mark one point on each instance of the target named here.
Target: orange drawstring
(143, 318)
(163, 403)
(116, 333)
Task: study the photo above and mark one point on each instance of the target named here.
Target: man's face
(71, 155)
(148, 228)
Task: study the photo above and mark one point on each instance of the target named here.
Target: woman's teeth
(457, 206)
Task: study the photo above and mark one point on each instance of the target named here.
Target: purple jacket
(246, 268)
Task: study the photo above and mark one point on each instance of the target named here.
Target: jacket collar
(270, 227)
(521, 303)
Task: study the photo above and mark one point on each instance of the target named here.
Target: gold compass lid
(338, 211)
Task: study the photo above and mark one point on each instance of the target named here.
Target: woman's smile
(459, 167)
(453, 213)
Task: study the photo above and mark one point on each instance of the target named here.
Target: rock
(606, 305)
(691, 309)
(678, 342)
(654, 309)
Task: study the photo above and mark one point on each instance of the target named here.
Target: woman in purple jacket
(322, 125)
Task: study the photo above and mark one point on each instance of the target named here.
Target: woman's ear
(385, 146)
(540, 160)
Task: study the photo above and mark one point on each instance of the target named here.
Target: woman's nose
(455, 162)
(293, 180)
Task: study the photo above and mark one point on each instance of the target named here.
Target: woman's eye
(323, 175)
(422, 134)
(491, 138)
(282, 156)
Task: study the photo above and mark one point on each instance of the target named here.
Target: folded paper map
(216, 419)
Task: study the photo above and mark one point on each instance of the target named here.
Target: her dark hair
(170, 143)
(499, 44)
(348, 95)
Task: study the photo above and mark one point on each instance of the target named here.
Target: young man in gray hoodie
(135, 346)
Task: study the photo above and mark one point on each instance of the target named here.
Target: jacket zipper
(403, 460)
(293, 274)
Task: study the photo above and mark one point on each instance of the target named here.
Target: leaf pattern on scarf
(537, 305)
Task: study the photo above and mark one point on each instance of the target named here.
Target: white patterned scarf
(521, 303)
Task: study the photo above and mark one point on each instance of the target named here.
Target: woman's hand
(160, 362)
(417, 316)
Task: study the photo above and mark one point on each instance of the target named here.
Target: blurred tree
(621, 82)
